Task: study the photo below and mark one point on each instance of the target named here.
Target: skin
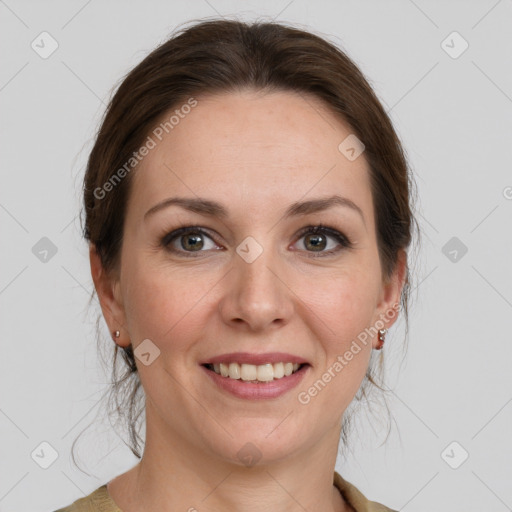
(256, 153)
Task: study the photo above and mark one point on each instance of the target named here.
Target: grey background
(454, 118)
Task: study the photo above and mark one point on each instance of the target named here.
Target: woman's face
(253, 280)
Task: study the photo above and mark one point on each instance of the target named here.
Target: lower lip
(257, 390)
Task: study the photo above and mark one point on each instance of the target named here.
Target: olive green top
(100, 500)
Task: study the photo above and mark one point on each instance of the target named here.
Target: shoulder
(356, 498)
(98, 501)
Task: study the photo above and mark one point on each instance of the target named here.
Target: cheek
(161, 302)
(344, 303)
(339, 313)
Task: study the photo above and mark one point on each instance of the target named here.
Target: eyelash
(317, 229)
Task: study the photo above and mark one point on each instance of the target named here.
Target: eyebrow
(214, 209)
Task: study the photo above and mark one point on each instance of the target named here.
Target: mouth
(256, 374)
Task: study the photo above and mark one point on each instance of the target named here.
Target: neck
(175, 474)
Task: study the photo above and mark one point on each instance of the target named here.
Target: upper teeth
(262, 372)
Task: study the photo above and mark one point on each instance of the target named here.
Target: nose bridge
(257, 296)
(253, 265)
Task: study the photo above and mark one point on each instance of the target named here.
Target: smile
(255, 373)
(245, 382)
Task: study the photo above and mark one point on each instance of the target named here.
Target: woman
(248, 213)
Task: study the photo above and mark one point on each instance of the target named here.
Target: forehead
(250, 146)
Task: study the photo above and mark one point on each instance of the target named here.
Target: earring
(116, 334)
(382, 334)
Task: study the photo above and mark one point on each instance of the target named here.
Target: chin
(262, 443)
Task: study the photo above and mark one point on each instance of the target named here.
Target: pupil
(317, 241)
(194, 246)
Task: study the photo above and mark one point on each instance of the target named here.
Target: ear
(389, 301)
(108, 291)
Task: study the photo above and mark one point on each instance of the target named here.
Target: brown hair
(222, 56)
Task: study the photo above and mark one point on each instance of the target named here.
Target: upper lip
(256, 359)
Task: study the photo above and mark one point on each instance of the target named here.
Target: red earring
(382, 334)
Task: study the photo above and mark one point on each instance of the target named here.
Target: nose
(257, 296)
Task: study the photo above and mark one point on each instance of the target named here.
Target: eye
(188, 239)
(194, 239)
(316, 240)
